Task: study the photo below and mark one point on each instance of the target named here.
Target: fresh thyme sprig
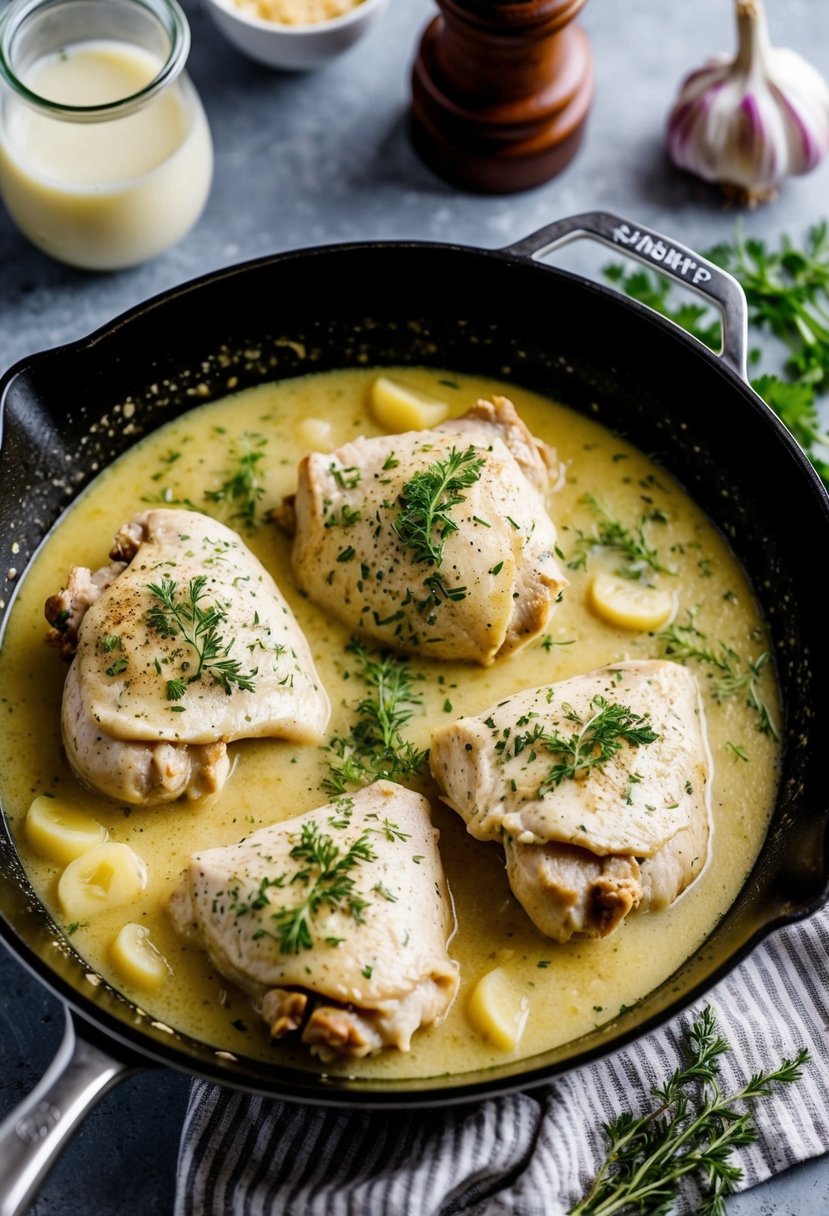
(610, 533)
(243, 487)
(684, 643)
(198, 625)
(374, 747)
(423, 521)
(597, 740)
(691, 1133)
(326, 873)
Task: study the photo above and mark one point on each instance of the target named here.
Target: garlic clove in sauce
(750, 121)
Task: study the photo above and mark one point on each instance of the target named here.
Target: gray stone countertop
(314, 159)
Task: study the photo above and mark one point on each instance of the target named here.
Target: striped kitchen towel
(525, 1154)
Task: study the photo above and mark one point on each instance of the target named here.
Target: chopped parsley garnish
(385, 892)
(346, 479)
(548, 642)
(343, 518)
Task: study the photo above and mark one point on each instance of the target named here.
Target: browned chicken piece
(65, 610)
(433, 542)
(536, 459)
(591, 830)
(184, 645)
(336, 922)
(284, 1011)
(566, 890)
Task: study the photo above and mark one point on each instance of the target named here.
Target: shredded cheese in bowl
(296, 12)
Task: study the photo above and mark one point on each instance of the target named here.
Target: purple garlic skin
(750, 121)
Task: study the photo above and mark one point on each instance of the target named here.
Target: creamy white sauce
(571, 988)
(111, 193)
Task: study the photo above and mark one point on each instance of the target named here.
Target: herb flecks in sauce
(686, 643)
(374, 746)
(632, 542)
(244, 485)
(270, 788)
(198, 625)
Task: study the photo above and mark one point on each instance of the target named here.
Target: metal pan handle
(34, 1134)
(659, 253)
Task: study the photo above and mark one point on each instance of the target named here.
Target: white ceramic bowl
(297, 48)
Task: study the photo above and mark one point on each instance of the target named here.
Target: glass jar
(105, 152)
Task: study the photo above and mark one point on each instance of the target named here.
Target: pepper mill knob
(501, 91)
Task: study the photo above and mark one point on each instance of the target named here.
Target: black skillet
(68, 412)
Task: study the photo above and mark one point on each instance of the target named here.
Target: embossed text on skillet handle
(660, 253)
(32, 1137)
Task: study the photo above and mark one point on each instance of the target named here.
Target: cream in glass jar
(105, 152)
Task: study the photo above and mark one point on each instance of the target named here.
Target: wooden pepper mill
(501, 90)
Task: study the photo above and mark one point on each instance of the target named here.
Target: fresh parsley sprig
(795, 404)
(787, 290)
(691, 1132)
(788, 294)
(654, 290)
(197, 623)
(374, 747)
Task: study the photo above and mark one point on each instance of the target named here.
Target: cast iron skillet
(69, 411)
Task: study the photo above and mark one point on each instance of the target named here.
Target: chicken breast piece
(186, 647)
(597, 787)
(434, 542)
(336, 921)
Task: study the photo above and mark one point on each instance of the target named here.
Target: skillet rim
(130, 1040)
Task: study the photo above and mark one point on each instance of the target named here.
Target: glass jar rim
(168, 13)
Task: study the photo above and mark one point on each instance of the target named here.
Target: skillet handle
(33, 1135)
(659, 253)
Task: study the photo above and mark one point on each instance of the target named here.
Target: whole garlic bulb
(750, 121)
